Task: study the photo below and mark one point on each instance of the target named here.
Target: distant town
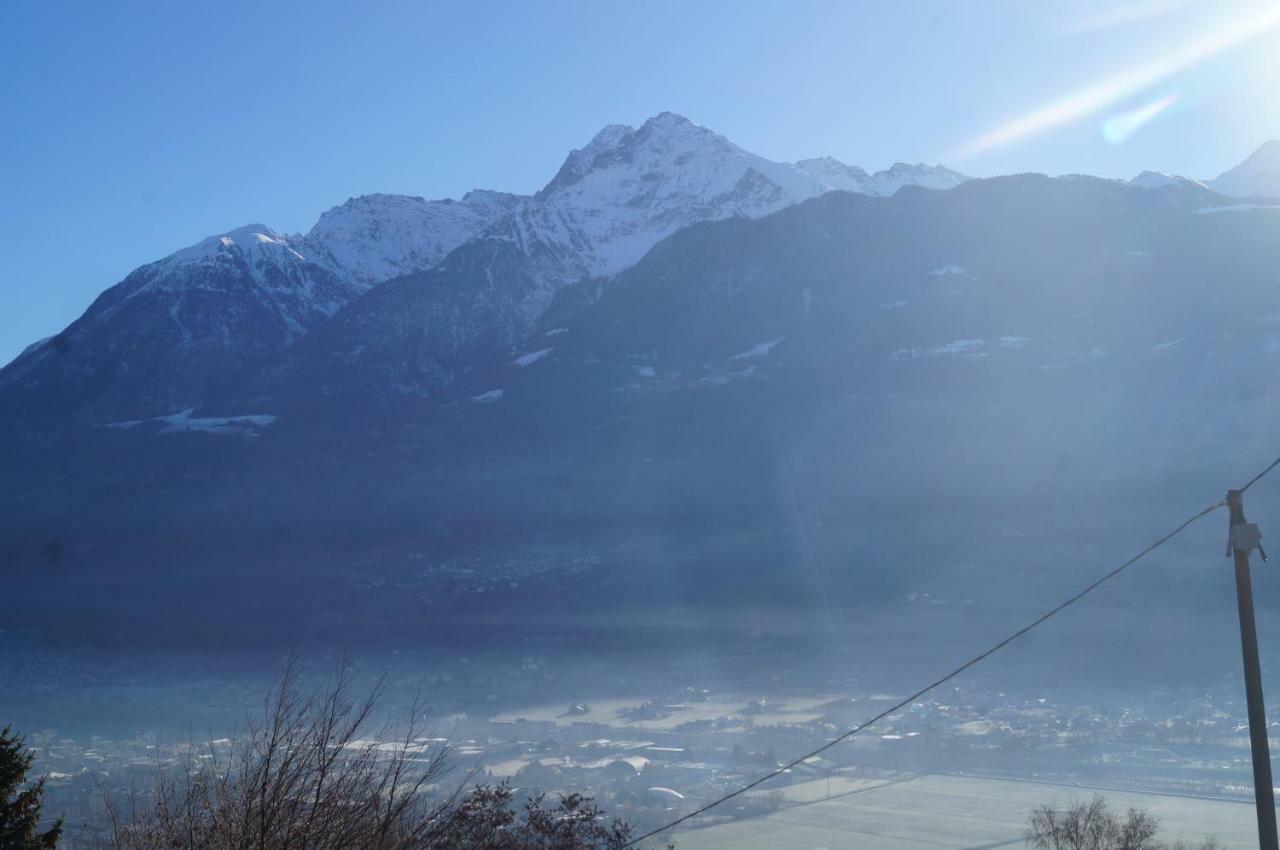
(650, 760)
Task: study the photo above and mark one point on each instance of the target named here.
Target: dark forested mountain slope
(758, 414)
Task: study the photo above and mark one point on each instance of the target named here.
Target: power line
(957, 671)
(1255, 478)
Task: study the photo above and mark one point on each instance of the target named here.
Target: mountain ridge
(257, 292)
(1258, 176)
(767, 404)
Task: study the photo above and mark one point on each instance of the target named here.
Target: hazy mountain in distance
(838, 176)
(1257, 177)
(1160, 180)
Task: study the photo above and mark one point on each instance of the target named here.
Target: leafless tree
(487, 820)
(1093, 826)
(311, 773)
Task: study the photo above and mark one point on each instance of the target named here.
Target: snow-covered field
(950, 812)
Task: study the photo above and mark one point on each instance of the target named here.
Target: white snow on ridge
(299, 279)
(609, 204)
(254, 242)
(284, 280)
(531, 358)
(356, 245)
(373, 238)
(628, 189)
(1160, 180)
(900, 174)
(834, 175)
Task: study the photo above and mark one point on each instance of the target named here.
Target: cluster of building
(650, 760)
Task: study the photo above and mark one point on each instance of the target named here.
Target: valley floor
(952, 812)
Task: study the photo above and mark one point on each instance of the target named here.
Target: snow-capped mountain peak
(252, 242)
(581, 161)
(1160, 180)
(901, 174)
(627, 189)
(835, 175)
(1257, 177)
(253, 253)
(203, 310)
(376, 237)
(252, 258)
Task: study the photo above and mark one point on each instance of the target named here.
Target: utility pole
(1245, 537)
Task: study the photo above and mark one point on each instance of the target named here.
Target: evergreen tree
(20, 809)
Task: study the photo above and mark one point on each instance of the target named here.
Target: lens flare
(1121, 86)
(1119, 127)
(1127, 13)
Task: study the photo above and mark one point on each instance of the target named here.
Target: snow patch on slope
(244, 425)
(531, 358)
(969, 348)
(760, 350)
(950, 271)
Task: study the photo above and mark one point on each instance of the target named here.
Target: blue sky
(133, 129)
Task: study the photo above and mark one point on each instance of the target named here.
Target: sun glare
(1123, 85)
